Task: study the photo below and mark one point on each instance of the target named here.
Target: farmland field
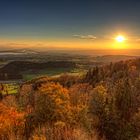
(9, 88)
(51, 72)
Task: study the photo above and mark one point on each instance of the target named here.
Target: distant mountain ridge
(19, 66)
(19, 51)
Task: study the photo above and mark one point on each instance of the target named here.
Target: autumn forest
(104, 103)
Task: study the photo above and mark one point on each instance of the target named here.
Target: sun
(120, 38)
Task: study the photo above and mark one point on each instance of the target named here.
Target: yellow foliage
(52, 102)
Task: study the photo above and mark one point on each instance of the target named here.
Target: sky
(69, 23)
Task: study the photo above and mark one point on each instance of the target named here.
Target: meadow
(9, 88)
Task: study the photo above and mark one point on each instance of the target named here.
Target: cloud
(91, 37)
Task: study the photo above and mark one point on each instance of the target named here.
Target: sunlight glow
(120, 38)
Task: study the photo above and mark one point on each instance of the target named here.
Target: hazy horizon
(83, 51)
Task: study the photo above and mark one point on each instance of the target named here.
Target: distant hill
(15, 68)
(18, 52)
(19, 66)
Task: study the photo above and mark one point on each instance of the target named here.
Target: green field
(50, 72)
(11, 88)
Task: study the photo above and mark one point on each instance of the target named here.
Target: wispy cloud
(134, 38)
(91, 37)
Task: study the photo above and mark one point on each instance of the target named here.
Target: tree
(124, 99)
(115, 113)
(52, 103)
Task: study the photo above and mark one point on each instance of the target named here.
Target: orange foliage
(11, 121)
